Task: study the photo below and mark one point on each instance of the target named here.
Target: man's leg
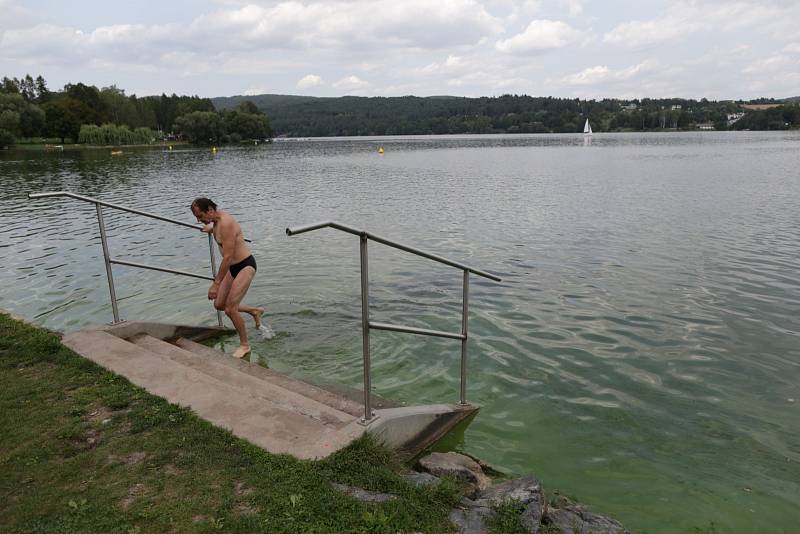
(255, 312)
(238, 288)
(222, 296)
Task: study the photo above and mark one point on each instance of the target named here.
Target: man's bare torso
(240, 249)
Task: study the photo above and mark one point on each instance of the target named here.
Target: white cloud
(342, 27)
(15, 16)
(540, 36)
(308, 81)
(792, 48)
(601, 74)
(353, 24)
(773, 64)
(351, 83)
(522, 11)
(686, 17)
(639, 33)
(452, 63)
(574, 7)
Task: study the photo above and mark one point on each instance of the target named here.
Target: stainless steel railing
(110, 261)
(367, 325)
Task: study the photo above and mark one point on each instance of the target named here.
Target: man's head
(204, 209)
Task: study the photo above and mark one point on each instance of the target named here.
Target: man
(236, 271)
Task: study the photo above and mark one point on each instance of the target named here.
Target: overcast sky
(566, 48)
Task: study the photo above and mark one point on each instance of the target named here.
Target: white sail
(587, 129)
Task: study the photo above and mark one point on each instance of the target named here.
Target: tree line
(107, 116)
(296, 116)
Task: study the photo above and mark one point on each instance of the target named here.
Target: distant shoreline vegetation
(90, 116)
(301, 116)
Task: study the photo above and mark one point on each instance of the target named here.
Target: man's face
(202, 216)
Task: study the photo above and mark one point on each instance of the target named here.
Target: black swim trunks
(237, 267)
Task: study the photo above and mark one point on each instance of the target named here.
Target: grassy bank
(84, 450)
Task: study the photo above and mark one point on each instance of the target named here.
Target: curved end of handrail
(307, 228)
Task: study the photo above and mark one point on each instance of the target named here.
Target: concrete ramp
(274, 411)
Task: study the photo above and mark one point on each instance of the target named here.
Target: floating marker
(380, 150)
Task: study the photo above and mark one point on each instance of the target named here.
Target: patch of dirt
(246, 509)
(170, 469)
(90, 440)
(100, 414)
(134, 458)
(199, 519)
(131, 459)
(240, 489)
(136, 491)
(125, 426)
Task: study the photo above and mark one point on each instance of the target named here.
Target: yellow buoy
(214, 149)
(380, 150)
(170, 147)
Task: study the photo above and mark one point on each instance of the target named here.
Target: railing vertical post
(107, 258)
(464, 317)
(365, 329)
(214, 271)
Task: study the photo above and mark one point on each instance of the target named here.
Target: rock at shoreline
(527, 491)
(574, 518)
(462, 468)
(470, 516)
(482, 498)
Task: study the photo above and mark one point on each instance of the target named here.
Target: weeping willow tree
(115, 135)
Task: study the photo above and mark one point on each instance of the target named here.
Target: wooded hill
(304, 116)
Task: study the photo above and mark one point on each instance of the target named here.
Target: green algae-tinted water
(641, 353)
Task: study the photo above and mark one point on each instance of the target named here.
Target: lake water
(641, 353)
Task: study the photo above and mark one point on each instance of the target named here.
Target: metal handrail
(350, 230)
(112, 205)
(367, 325)
(107, 256)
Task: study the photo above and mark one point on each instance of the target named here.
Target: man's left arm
(227, 235)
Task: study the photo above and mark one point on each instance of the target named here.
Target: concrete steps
(278, 413)
(311, 391)
(248, 382)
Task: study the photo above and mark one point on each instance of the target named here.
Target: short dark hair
(203, 204)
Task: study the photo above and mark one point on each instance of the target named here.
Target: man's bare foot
(241, 352)
(257, 316)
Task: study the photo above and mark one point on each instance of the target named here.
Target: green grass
(84, 450)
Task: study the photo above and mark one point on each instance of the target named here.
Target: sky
(717, 49)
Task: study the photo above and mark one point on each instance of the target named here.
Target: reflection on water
(640, 354)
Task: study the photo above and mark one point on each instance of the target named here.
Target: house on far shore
(705, 126)
(629, 107)
(733, 117)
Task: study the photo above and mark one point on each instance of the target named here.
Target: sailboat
(587, 129)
